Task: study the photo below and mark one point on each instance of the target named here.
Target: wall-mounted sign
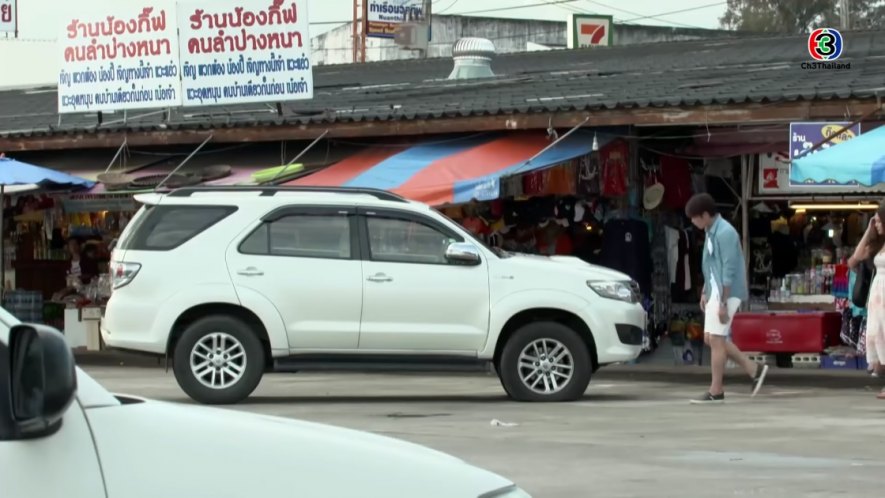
(162, 54)
(774, 173)
(8, 16)
(590, 31)
(231, 54)
(119, 56)
(805, 136)
(384, 16)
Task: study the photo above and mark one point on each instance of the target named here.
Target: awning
(859, 161)
(455, 170)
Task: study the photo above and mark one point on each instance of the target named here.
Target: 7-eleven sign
(590, 31)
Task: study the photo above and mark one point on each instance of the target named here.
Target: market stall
(812, 209)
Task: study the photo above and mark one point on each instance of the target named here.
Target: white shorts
(712, 325)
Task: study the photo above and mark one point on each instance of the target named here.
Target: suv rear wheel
(545, 361)
(218, 360)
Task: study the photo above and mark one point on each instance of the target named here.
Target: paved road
(625, 439)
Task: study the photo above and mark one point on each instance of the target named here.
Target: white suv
(233, 282)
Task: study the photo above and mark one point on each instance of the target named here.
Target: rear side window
(302, 236)
(167, 227)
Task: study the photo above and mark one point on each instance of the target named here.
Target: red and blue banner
(452, 171)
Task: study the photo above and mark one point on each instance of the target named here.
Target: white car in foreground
(63, 435)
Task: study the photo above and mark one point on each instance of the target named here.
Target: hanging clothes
(676, 178)
(626, 248)
(613, 158)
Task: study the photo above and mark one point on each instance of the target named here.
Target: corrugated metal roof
(746, 70)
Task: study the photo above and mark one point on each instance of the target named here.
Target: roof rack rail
(382, 195)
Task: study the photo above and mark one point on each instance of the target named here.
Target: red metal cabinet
(786, 332)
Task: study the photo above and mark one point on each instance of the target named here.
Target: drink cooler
(786, 332)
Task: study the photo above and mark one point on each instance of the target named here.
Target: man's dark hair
(700, 204)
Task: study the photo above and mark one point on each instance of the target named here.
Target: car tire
(541, 376)
(217, 380)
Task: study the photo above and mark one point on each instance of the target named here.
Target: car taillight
(123, 273)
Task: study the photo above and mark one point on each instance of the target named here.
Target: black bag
(861, 290)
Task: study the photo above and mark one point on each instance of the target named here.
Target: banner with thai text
(385, 16)
(238, 51)
(8, 17)
(119, 56)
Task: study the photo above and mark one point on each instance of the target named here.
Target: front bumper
(619, 332)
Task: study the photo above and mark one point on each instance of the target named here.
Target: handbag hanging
(860, 293)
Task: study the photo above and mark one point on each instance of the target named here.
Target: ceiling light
(834, 207)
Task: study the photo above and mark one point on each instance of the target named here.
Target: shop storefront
(805, 222)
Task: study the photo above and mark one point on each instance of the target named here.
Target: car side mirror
(42, 380)
(463, 253)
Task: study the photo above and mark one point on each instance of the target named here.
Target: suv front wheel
(545, 361)
(218, 360)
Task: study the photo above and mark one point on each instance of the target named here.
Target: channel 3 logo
(825, 44)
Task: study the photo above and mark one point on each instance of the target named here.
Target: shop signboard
(385, 16)
(590, 31)
(8, 16)
(774, 173)
(87, 203)
(236, 52)
(118, 56)
(805, 136)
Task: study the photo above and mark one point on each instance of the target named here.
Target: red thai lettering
(107, 29)
(72, 28)
(196, 19)
(242, 41)
(236, 19)
(144, 19)
(115, 49)
(240, 17)
(143, 23)
(158, 23)
(5, 13)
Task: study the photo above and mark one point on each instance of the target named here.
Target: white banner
(8, 17)
(234, 54)
(118, 57)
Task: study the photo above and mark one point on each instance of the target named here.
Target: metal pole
(188, 158)
(119, 151)
(290, 163)
(3, 236)
(560, 139)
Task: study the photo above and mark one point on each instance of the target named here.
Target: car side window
(302, 236)
(405, 241)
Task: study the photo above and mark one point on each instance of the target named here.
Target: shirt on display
(626, 248)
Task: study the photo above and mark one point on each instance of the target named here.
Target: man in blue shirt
(725, 287)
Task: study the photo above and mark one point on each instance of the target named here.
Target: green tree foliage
(800, 16)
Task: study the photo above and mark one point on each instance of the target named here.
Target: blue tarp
(860, 161)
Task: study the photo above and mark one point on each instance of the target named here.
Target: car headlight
(621, 291)
(508, 492)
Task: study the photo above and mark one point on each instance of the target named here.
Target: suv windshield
(501, 253)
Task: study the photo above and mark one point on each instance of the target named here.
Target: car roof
(275, 196)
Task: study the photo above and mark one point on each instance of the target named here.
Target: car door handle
(250, 272)
(379, 277)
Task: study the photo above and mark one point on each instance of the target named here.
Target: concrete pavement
(627, 438)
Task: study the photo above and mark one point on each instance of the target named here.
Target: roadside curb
(781, 377)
